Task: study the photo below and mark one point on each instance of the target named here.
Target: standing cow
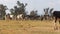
(56, 14)
(20, 16)
(9, 16)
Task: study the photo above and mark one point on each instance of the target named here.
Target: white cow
(20, 16)
(11, 16)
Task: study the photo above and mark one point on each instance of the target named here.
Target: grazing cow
(56, 14)
(11, 17)
(20, 16)
(7, 17)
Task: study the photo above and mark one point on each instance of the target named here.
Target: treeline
(20, 9)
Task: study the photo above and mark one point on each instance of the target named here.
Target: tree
(51, 10)
(33, 13)
(15, 10)
(51, 14)
(12, 11)
(21, 8)
(2, 11)
(21, 4)
(46, 11)
(36, 13)
(46, 15)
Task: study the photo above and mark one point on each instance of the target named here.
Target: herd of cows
(56, 17)
(21, 17)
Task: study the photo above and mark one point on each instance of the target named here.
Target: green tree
(2, 11)
(15, 10)
(46, 11)
(12, 11)
(33, 13)
(21, 8)
(51, 10)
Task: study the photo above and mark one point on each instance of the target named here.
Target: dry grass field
(27, 27)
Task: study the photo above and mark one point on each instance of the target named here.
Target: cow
(20, 16)
(11, 17)
(56, 15)
(7, 17)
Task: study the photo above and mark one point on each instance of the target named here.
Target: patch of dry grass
(27, 27)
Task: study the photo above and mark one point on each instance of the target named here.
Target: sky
(33, 4)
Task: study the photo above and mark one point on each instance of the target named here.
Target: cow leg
(55, 25)
(59, 21)
(41, 18)
(55, 19)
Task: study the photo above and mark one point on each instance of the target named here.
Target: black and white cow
(56, 14)
(20, 16)
(8, 16)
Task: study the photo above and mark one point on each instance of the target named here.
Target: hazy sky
(34, 4)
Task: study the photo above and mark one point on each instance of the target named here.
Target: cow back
(56, 14)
